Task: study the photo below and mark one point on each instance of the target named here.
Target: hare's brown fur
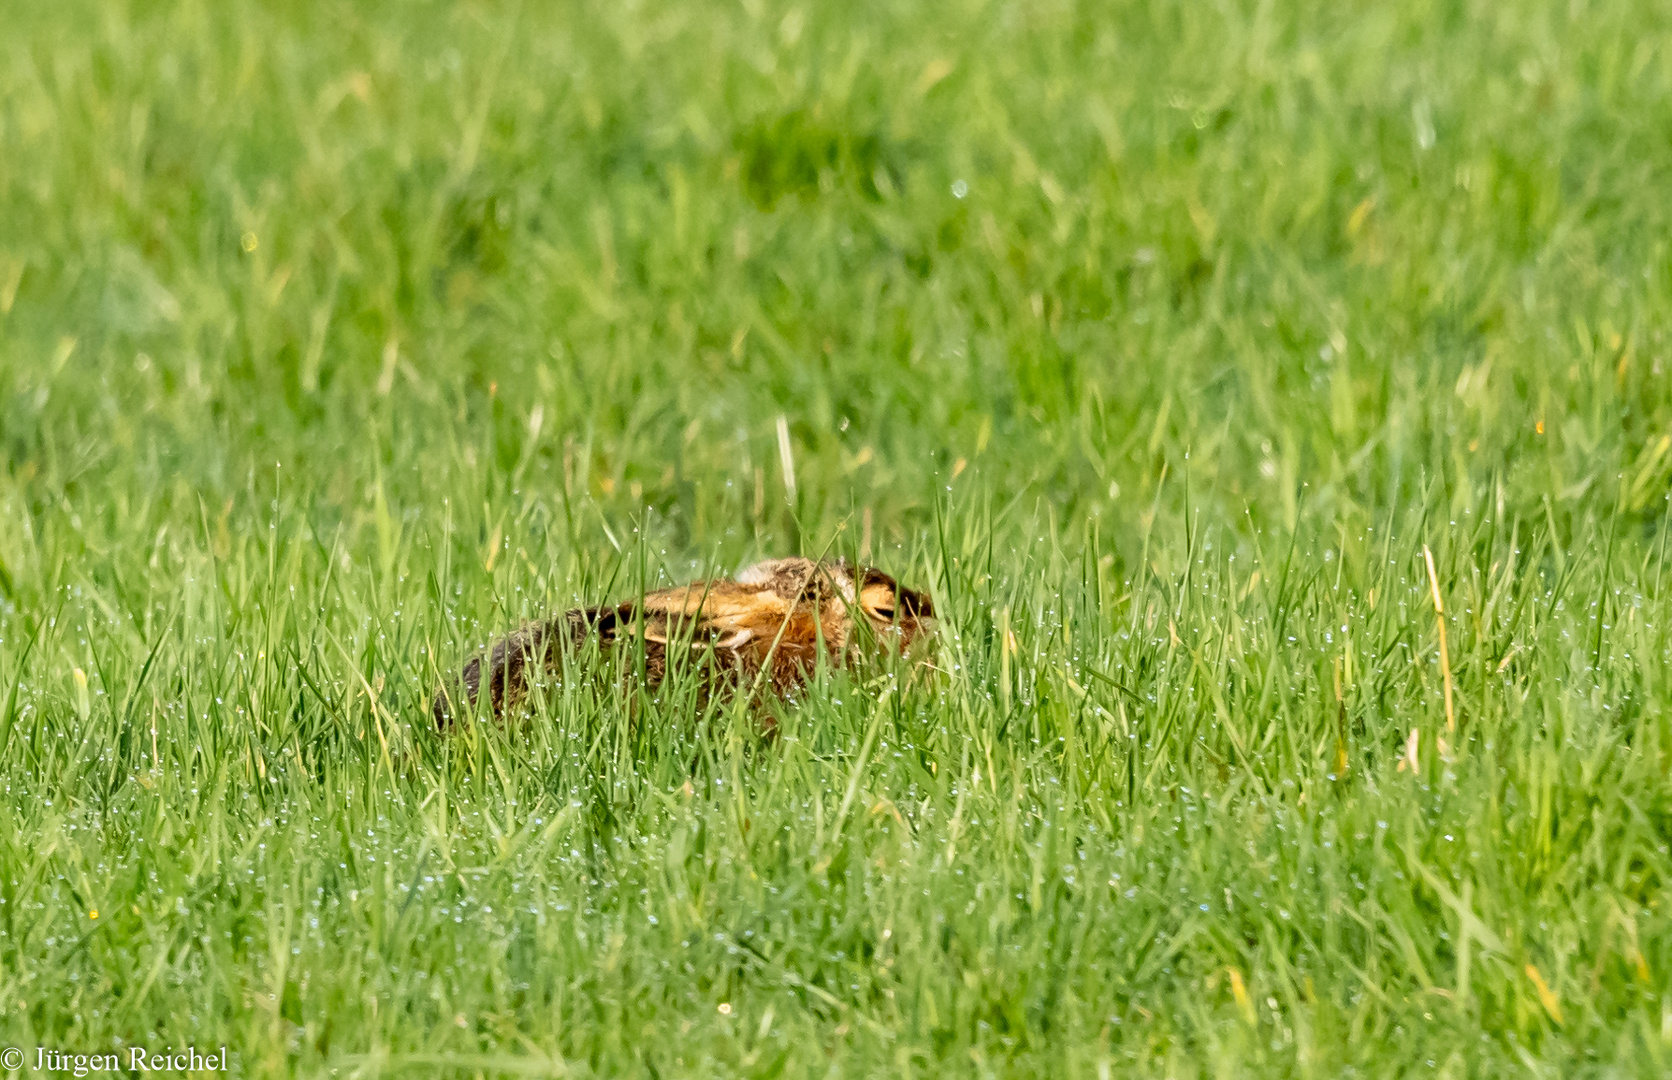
(773, 620)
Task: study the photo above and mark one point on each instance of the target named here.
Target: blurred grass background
(1156, 339)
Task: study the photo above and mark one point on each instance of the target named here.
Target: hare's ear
(915, 604)
(657, 627)
(607, 624)
(879, 595)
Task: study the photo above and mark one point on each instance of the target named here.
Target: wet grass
(1273, 398)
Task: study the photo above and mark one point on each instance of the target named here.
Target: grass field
(1273, 396)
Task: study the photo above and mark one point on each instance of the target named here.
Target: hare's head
(895, 612)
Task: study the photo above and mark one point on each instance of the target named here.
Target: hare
(772, 622)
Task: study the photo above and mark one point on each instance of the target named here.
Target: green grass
(337, 339)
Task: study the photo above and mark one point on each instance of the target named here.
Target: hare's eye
(886, 614)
